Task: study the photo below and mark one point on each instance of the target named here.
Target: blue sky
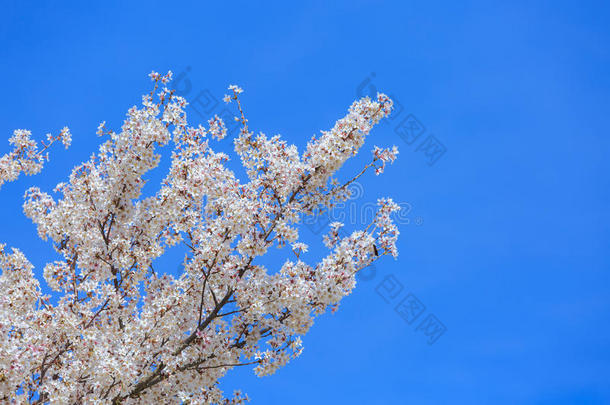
(508, 230)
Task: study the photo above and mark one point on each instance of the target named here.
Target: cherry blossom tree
(121, 332)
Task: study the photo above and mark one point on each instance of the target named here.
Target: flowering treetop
(121, 332)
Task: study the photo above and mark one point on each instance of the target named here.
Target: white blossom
(122, 332)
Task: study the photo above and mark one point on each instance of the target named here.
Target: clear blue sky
(507, 243)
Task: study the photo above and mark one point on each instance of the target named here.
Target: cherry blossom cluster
(384, 155)
(25, 157)
(124, 332)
